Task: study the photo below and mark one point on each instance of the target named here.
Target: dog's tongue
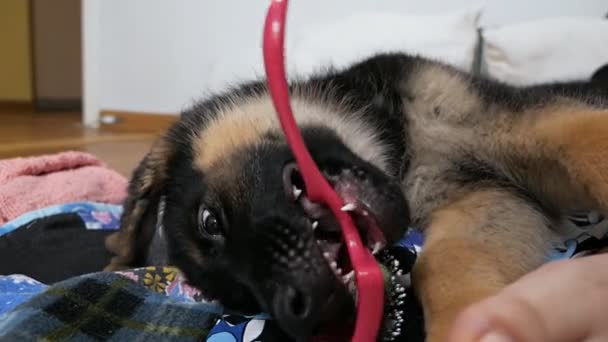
(350, 194)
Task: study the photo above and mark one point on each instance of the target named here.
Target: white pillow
(451, 38)
(558, 49)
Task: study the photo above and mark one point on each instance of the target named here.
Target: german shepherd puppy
(486, 170)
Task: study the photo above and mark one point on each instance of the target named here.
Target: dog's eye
(208, 224)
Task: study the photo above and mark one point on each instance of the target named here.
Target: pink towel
(33, 183)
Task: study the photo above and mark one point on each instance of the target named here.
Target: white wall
(160, 55)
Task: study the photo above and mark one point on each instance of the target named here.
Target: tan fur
(580, 139)
(532, 150)
(428, 99)
(474, 246)
(244, 124)
(435, 133)
(231, 131)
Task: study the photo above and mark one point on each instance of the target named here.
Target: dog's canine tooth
(349, 207)
(327, 255)
(296, 192)
(315, 224)
(352, 287)
(334, 265)
(348, 276)
(376, 248)
(593, 217)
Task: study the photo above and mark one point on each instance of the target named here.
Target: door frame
(91, 38)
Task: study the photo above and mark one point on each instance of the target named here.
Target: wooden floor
(25, 132)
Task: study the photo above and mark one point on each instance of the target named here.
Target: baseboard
(16, 105)
(48, 104)
(128, 121)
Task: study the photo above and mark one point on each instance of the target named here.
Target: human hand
(563, 301)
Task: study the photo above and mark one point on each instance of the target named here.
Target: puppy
(486, 170)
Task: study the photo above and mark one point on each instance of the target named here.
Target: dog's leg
(474, 247)
(579, 143)
(489, 238)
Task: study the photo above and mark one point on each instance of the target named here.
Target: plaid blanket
(144, 304)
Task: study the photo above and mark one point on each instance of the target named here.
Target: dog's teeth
(334, 265)
(376, 248)
(593, 217)
(327, 255)
(339, 271)
(315, 224)
(348, 276)
(365, 213)
(296, 192)
(349, 207)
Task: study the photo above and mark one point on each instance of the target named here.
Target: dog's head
(238, 221)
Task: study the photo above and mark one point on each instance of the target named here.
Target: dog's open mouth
(325, 227)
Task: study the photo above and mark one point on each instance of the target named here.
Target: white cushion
(558, 49)
(450, 37)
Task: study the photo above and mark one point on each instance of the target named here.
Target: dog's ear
(138, 223)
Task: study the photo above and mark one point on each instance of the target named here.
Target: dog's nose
(293, 306)
(302, 308)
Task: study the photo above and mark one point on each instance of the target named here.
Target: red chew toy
(369, 280)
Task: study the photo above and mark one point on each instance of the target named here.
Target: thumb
(562, 301)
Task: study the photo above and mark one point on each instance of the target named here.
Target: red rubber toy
(368, 276)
